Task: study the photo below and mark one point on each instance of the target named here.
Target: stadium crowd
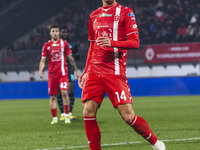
(159, 21)
(5, 4)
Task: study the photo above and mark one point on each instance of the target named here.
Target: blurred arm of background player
(72, 62)
(75, 53)
(41, 66)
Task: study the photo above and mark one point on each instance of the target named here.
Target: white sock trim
(89, 118)
(134, 121)
(148, 137)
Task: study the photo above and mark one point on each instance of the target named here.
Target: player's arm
(41, 66)
(131, 43)
(43, 60)
(73, 63)
(75, 52)
(81, 80)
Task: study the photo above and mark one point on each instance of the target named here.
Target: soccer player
(112, 30)
(57, 50)
(64, 33)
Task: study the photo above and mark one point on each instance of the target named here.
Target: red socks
(66, 108)
(54, 112)
(93, 133)
(142, 128)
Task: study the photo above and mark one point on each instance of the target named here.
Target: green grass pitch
(25, 125)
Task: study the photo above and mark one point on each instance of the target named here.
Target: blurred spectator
(159, 21)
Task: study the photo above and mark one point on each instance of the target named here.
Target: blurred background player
(112, 30)
(57, 51)
(64, 34)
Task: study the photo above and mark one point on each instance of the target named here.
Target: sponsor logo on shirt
(106, 26)
(131, 15)
(54, 44)
(105, 15)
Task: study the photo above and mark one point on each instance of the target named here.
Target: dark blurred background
(167, 24)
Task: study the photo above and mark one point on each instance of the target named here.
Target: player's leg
(136, 122)
(53, 109)
(139, 125)
(53, 91)
(60, 104)
(63, 82)
(92, 96)
(71, 98)
(66, 105)
(120, 96)
(91, 127)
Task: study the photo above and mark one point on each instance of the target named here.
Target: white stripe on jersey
(62, 57)
(115, 38)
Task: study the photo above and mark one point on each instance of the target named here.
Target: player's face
(109, 2)
(64, 33)
(55, 32)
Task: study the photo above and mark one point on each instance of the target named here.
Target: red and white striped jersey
(56, 52)
(115, 22)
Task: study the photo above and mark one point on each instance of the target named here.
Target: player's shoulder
(126, 9)
(65, 42)
(95, 12)
(47, 43)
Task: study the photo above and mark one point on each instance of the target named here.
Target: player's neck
(107, 6)
(53, 40)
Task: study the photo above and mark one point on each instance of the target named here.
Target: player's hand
(103, 41)
(82, 81)
(77, 74)
(41, 74)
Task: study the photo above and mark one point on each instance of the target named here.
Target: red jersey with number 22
(115, 22)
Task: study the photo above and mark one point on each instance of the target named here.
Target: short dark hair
(54, 26)
(64, 27)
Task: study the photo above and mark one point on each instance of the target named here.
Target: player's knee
(89, 110)
(128, 118)
(52, 97)
(64, 94)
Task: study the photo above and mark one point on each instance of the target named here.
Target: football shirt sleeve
(131, 32)
(67, 49)
(89, 57)
(44, 50)
(130, 22)
(91, 32)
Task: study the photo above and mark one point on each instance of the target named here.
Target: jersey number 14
(122, 96)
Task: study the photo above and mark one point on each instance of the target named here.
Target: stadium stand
(159, 21)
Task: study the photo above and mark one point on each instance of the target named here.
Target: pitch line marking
(114, 144)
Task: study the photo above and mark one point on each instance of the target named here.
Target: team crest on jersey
(56, 56)
(105, 15)
(116, 17)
